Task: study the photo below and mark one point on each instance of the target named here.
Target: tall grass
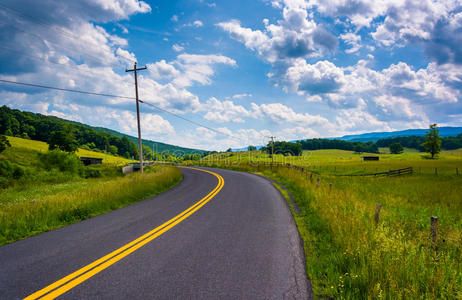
(347, 255)
(27, 212)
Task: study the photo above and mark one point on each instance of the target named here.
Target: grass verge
(39, 209)
(349, 257)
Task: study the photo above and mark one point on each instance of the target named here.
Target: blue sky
(250, 69)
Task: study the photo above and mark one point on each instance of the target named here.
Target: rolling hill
(375, 136)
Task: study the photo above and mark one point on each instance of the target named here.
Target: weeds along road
(217, 235)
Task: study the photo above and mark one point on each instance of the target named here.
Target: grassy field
(37, 146)
(42, 199)
(347, 255)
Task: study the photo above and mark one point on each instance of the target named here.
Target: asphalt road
(241, 244)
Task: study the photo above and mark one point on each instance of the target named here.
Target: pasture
(348, 254)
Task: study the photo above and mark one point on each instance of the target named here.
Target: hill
(375, 136)
(155, 146)
(39, 127)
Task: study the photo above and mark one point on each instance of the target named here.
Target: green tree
(432, 142)
(396, 148)
(229, 150)
(4, 143)
(63, 140)
(359, 148)
(252, 148)
(112, 149)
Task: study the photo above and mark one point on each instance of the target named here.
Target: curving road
(219, 234)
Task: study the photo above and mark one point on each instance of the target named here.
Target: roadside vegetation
(348, 256)
(41, 190)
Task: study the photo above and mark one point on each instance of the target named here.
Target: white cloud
(198, 23)
(174, 18)
(239, 96)
(296, 36)
(353, 40)
(224, 111)
(177, 48)
(280, 113)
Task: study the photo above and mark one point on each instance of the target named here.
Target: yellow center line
(70, 281)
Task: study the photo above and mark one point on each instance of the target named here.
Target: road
(219, 234)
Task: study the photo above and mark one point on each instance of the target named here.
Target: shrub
(63, 161)
(4, 183)
(10, 170)
(92, 173)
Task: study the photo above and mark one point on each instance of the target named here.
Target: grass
(27, 212)
(42, 199)
(347, 255)
(32, 147)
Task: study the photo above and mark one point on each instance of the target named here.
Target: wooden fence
(398, 172)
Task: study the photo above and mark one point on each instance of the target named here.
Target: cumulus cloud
(224, 111)
(353, 40)
(296, 36)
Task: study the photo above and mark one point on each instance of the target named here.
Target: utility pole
(138, 113)
(272, 148)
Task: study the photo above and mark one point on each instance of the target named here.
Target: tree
(63, 140)
(359, 148)
(432, 142)
(4, 143)
(229, 150)
(396, 148)
(112, 149)
(251, 148)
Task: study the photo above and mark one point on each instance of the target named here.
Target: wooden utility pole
(138, 113)
(272, 148)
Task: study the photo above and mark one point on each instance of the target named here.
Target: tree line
(359, 147)
(415, 142)
(55, 131)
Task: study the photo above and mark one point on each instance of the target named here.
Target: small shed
(91, 161)
(370, 158)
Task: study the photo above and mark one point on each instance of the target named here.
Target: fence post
(434, 232)
(311, 177)
(457, 171)
(317, 182)
(436, 171)
(330, 187)
(378, 207)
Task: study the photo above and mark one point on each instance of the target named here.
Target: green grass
(25, 212)
(23, 150)
(42, 199)
(347, 256)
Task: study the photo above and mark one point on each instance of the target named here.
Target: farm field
(44, 199)
(348, 254)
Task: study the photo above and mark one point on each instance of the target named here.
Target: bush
(92, 173)
(62, 161)
(4, 183)
(10, 170)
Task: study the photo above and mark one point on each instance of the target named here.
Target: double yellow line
(70, 281)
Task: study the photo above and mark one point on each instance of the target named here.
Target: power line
(123, 97)
(190, 121)
(73, 51)
(64, 89)
(51, 25)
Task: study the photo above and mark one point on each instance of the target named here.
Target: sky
(293, 69)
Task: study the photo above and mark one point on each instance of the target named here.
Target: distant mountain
(375, 136)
